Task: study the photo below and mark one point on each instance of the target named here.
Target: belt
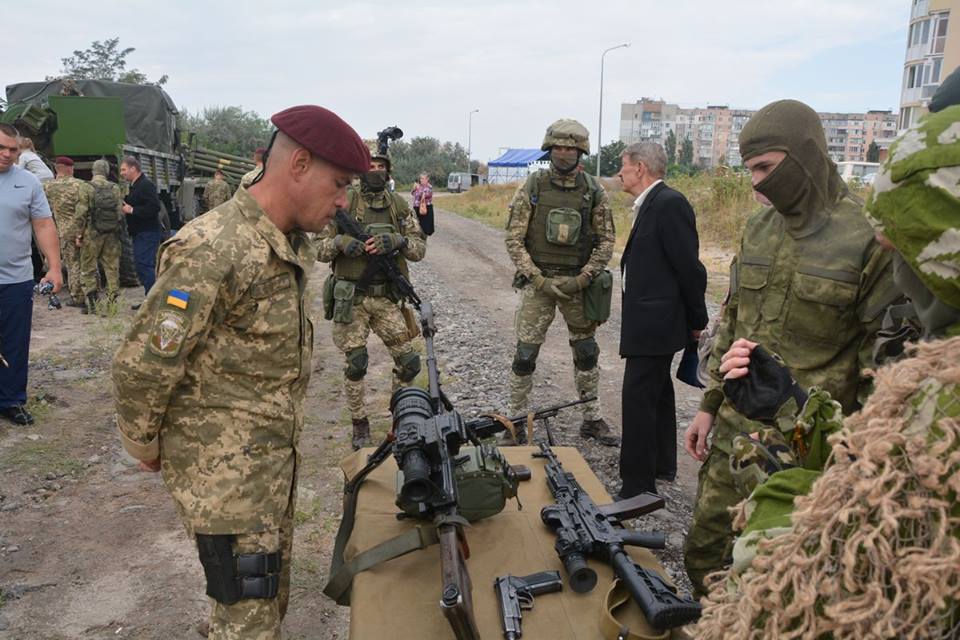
(381, 290)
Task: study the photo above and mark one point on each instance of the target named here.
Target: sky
(424, 66)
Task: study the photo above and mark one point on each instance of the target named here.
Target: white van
(458, 182)
(858, 170)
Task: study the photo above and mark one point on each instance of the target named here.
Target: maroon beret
(64, 160)
(324, 134)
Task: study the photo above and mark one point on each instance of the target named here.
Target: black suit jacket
(665, 281)
(146, 206)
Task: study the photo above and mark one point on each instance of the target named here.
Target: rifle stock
(456, 599)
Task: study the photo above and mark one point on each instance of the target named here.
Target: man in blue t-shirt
(23, 212)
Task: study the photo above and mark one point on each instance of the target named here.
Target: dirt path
(91, 548)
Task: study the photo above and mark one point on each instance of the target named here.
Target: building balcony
(920, 9)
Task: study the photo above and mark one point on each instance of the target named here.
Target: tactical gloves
(572, 284)
(768, 385)
(549, 286)
(387, 242)
(349, 246)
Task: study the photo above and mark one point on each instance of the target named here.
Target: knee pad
(525, 360)
(234, 577)
(408, 366)
(586, 352)
(357, 361)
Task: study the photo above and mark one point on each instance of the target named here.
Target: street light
(470, 138)
(600, 124)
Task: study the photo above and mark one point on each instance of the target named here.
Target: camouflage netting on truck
(149, 114)
(874, 550)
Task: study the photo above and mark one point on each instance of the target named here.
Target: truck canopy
(148, 112)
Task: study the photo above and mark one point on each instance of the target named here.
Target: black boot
(361, 433)
(91, 307)
(600, 430)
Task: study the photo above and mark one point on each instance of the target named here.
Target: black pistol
(515, 594)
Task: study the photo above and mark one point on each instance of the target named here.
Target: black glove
(766, 387)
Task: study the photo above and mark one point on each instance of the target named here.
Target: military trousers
(258, 618)
(709, 543)
(533, 318)
(102, 248)
(382, 316)
(70, 257)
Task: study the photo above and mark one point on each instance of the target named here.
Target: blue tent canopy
(518, 158)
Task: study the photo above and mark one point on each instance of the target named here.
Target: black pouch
(216, 556)
(597, 298)
(328, 300)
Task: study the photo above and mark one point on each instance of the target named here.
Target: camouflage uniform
(211, 378)
(538, 306)
(216, 192)
(376, 309)
(248, 177)
(69, 197)
(101, 247)
(810, 285)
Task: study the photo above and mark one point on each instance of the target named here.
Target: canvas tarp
(149, 113)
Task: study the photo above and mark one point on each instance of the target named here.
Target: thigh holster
(525, 360)
(233, 577)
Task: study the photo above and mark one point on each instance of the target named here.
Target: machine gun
(585, 530)
(515, 594)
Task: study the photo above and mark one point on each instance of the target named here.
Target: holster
(234, 577)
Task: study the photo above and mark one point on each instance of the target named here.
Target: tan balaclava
(805, 186)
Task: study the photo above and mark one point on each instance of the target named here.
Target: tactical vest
(560, 235)
(373, 221)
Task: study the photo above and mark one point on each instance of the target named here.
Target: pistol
(515, 594)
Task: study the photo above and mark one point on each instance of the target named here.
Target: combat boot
(361, 433)
(91, 306)
(599, 430)
(76, 301)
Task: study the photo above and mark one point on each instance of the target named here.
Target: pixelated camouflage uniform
(216, 389)
(376, 310)
(216, 192)
(69, 198)
(814, 295)
(537, 308)
(101, 247)
(247, 179)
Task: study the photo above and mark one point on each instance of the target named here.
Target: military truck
(92, 119)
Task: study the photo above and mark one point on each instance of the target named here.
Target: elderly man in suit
(663, 310)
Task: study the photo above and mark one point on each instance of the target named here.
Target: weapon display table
(399, 599)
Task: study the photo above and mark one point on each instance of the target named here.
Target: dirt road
(91, 548)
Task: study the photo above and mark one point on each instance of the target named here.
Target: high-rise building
(714, 131)
(933, 51)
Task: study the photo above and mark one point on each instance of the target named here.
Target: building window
(906, 117)
(936, 65)
(940, 34)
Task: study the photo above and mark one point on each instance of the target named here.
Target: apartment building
(714, 131)
(933, 51)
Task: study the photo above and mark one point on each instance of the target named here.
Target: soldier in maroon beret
(63, 161)
(211, 379)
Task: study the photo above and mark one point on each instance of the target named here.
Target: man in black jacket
(663, 310)
(142, 206)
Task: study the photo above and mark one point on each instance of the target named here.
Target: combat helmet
(375, 154)
(567, 133)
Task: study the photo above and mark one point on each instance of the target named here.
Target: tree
(671, 147)
(228, 129)
(410, 158)
(610, 159)
(873, 152)
(104, 61)
(686, 153)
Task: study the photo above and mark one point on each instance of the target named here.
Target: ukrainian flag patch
(177, 298)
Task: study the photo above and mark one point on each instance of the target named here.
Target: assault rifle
(585, 530)
(385, 263)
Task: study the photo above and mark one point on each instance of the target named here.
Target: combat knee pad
(357, 361)
(408, 366)
(586, 352)
(235, 577)
(525, 360)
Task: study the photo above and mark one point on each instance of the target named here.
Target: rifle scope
(411, 407)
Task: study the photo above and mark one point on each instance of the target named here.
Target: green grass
(41, 458)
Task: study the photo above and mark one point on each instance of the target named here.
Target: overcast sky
(424, 66)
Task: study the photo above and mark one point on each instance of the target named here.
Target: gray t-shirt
(21, 200)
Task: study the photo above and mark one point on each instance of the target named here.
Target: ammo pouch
(376, 228)
(484, 481)
(563, 227)
(344, 292)
(597, 297)
(328, 300)
(410, 319)
(234, 577)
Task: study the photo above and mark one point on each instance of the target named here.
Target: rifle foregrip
(581, 577)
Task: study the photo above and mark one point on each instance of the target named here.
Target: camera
(385, 137)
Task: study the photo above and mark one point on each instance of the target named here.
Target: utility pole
(600, 124)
